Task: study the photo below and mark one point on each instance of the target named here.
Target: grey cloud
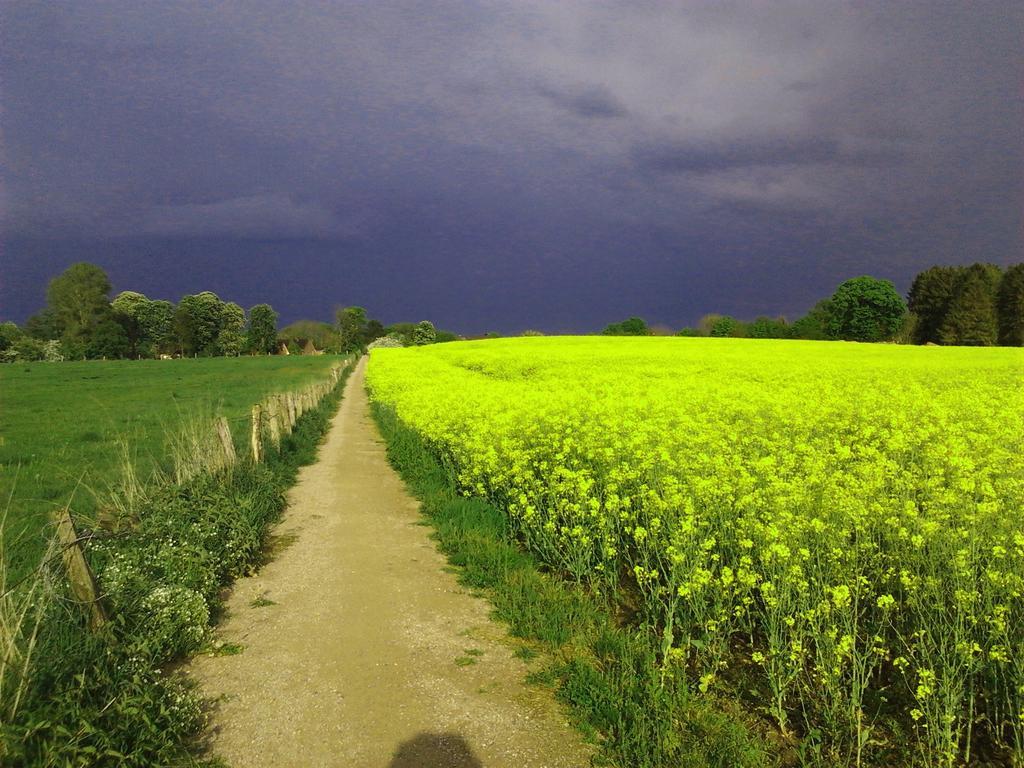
(677, 158)
(267, 215)
(587, 101)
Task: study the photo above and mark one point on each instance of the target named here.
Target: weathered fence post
(286, 419)
(273, 421)
(83, 582)
(257, 433)
(227, 445)
(292, 415)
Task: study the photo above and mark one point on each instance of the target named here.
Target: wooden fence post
(274, 421)
(292, 415)
(83, 582)
(257, 433)
(286, 417)
(227, 445)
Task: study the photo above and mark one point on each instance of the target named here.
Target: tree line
(976, 305)
(80, 321)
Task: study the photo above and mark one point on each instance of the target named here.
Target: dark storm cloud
(588, 101)
(494, 165)
(701, 158)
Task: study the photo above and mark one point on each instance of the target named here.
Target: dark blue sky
(505, 165)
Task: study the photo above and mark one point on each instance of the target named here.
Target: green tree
(971, 320)
(261, 338)
(634, 326)
(688, 331)
(706, 322)
(403, 331)
(9, 333)
(768, 328)
(157, 321)
(108, 340)
(1010, 307)
(43, 325)
(129, 307)
(374, 330)
(230, 336)
(197, 321)
(352, 323)
(424, 334)
(814, 325)
(866, 309)
(28, 349)
(725, 326)
(131, 303)
(930, 297)
(79, 300)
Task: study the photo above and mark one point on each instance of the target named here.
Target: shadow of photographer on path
(435, 750)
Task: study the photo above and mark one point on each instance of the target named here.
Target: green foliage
(634, 326)
(865, 309)
(9, 333)
(108, 340)
(26, 349)
(157, 321)
(688, 331)
(130, 303)
(768, 328)
(230, 338)
(407, 333)
(43, 325)
(1011, 307)
(197, 322)
(352, 323)
(129, 308)
(323, 335)
(815, 324)
(971, 320)
(374, 330)
(720, 326)
(403, 331)
(907, 334)
(78, 300)
(424, 333)
(929, 299)
(261, 338)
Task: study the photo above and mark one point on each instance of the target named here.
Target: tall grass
(23, 605)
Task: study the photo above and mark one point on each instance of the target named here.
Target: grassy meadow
(67, 428)
(829, 533)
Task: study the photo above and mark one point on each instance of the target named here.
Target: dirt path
(359, 648)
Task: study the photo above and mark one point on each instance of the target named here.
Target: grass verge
(607, 672)
(111, 697)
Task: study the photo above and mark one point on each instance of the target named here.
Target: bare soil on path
(359, 648)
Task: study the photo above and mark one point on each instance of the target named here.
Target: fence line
(279, 412)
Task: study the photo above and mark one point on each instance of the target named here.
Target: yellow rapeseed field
(841, 523)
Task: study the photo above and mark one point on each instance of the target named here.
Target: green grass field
(62, 426)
